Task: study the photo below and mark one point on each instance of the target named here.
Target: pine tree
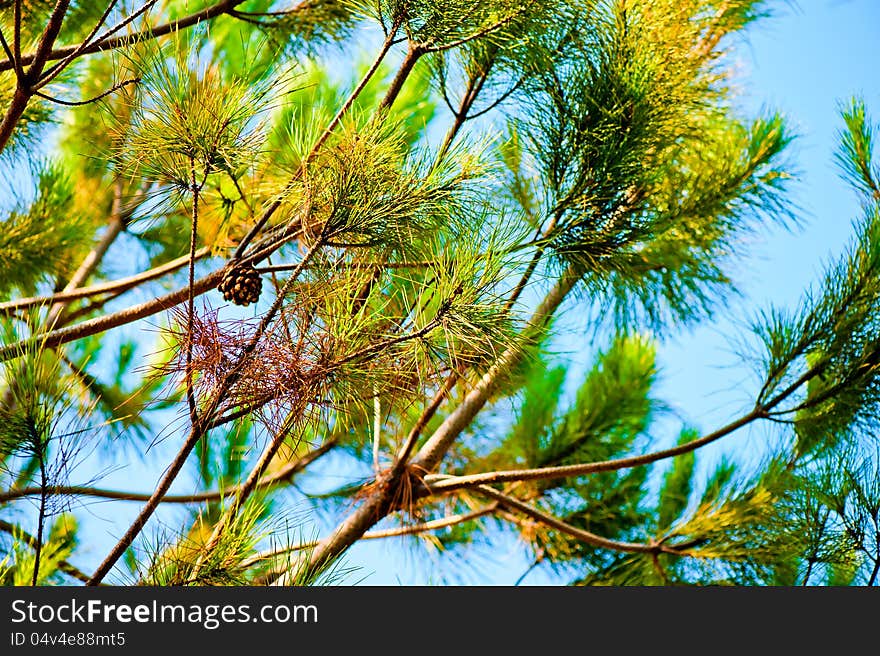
(227, 241)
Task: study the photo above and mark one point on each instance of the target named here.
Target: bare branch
(31, 541)
(112, 287)
(414, 529)
(584, 536)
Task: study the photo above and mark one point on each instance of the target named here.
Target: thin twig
(478, 34)
(414, 529)
(283, 474)
(106, 322)
(280, 268)
(190, 301)
(41, 517)
(202, 15)
(380, 503)
(441, 483)
(91, 261)
(79, 103)
(245, 490)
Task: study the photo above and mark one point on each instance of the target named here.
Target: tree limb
(378, 504)
(199, 429)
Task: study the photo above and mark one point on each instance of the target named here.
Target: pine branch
(148, 308)
(436, 446)
(584, 536)
(23, 90)
(328, 131)
(195, 18)
(58, 68)
(379, 503)
(442, 484)
(455, 376)
(278, 439)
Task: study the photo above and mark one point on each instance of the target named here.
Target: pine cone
(241, 284)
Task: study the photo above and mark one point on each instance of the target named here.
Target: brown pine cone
(241, 284)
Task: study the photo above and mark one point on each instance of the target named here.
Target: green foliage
(18, 566)
(610, 411)
(830, 341)
(614, 400)
(34, 397)
(416, 195)
(187, 562)
(786, 526)
(41, 240)
(312, 26)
